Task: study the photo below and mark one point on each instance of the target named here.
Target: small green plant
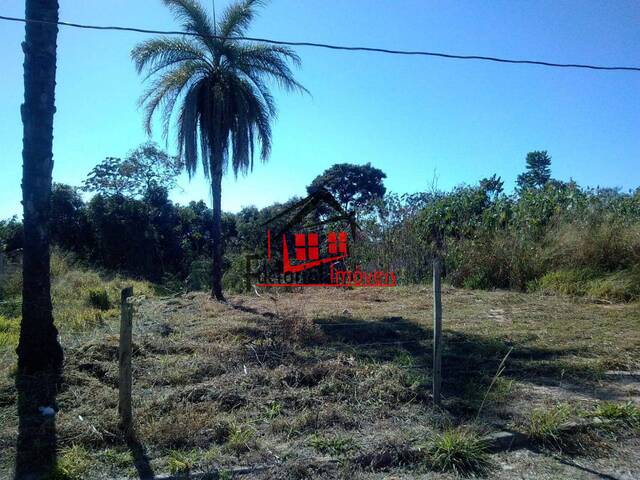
(99, 298)
(73, 463)
(274, 410)
(179, 462)
(336, 445)
(116, 457)
(240, 441)
(623, 412)
(459, 450)
(544, 424)
(225, 475)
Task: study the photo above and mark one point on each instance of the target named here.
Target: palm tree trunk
(216, 192)
(38, 348)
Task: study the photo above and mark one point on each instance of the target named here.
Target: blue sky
(412, 117)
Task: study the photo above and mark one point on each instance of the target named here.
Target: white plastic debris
(47, 411)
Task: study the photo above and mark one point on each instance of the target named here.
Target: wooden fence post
(124, 359)
(437, 331)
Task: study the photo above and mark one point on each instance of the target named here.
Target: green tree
(538, 171)
(69, 225)
(216, 88)
(144, 169)
(354, 186)
(11, 236)
(38, 347)
(493, 185)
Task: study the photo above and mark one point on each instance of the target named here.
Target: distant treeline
(547, 235)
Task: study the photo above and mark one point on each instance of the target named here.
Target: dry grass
(284, 378)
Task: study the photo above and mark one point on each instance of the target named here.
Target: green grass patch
(82, 298)
(9, 331)
(620, 286)
(180, 462)
(627, 413)
(73, 464)
(544, 424)
(241, 440)
(332, 445)
(459, 450)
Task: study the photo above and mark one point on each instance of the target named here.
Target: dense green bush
(99, 298)
(548, 235)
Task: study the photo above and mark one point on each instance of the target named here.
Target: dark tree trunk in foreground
(38, 348)
(216, 192)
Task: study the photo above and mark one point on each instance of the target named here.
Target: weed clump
(544, 425)
(9, 331)
(241, 440)
(459, 450)
(73, 464)
(335, 445)
(626, 413)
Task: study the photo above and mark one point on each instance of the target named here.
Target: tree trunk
(38, 348)
(216, 193)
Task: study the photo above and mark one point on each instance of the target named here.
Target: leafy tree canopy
(538, 171)
(143, 170)
(10, 234)
(354, 186)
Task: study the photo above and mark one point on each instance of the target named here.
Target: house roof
(308, 204)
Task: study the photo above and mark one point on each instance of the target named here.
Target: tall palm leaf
(215, 90)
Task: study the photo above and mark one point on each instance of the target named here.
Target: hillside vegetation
(82, 298)
(548, 235)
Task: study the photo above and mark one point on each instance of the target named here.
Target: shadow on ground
(469, 362)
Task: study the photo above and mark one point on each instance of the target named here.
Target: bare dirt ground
(328, 383)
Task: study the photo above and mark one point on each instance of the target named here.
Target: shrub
(99, 298)
(199, 277)
(234, 276)
(566, 282)
(621, 286)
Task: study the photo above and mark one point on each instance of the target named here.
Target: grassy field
(327, 383)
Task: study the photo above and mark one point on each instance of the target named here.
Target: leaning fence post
(437, 331)
(124, 359)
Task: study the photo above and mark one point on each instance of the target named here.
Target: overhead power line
(332, 47)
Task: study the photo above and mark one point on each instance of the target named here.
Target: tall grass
(82, 298)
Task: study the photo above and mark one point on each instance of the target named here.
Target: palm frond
(157, 54)
(194, 19)
(166, 90)
(271, 61)
(237, 17)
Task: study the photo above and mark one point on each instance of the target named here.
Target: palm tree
(215, 88)
(38, 347)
